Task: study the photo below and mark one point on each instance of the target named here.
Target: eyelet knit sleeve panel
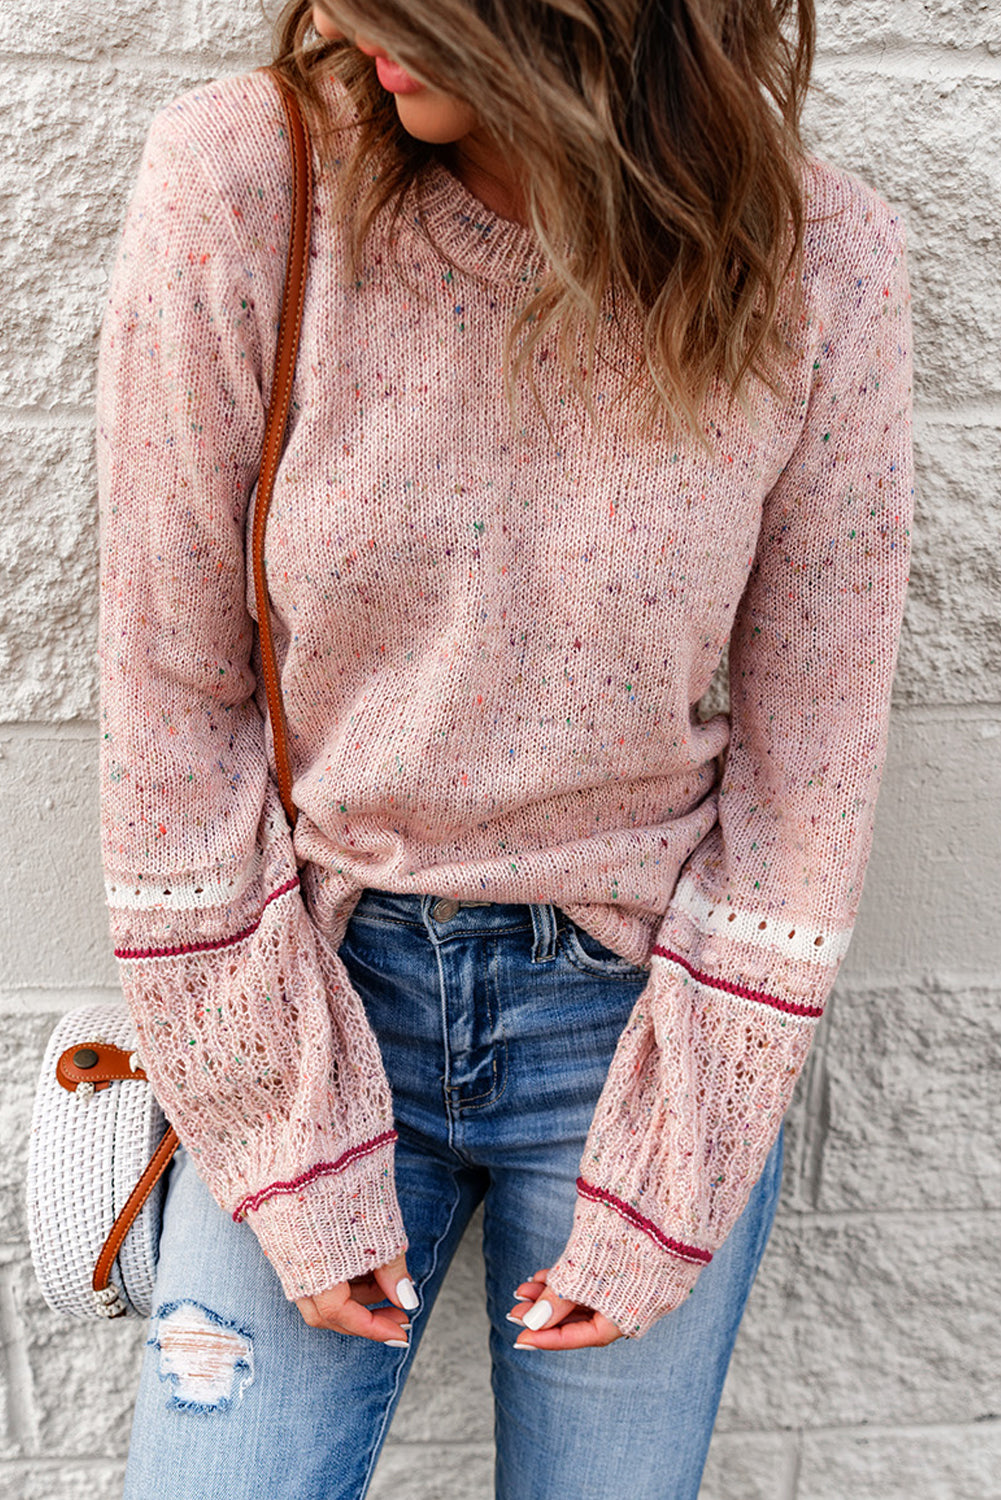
(256, 1045)
(764, 908)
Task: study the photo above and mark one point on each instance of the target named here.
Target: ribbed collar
(476, 238)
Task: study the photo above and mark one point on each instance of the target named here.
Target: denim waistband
(442, 917)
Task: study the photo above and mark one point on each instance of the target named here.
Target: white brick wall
(868, 1366)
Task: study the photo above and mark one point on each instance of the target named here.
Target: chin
(433, 117)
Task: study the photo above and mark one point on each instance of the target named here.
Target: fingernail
(540, 1312)
(407, 1295)
(396, 1344)
(525, 1346)
(512, 1319)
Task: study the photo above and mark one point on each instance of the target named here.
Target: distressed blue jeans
(497, 1025)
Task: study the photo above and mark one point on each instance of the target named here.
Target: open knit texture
(492, 642)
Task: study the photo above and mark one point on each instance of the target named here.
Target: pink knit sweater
(492, 644)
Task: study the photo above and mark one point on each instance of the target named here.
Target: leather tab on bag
(96, 1063)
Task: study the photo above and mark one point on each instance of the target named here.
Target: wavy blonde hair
(661, 158)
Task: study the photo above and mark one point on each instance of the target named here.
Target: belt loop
(546, 931)
(427, 901)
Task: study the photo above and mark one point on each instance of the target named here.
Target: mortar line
(868, 1429)
(54, 418)
(897, 54)
(985, 710)
(21, 1412)
(58, 1465)
(49, 1001)
(207, 65)
(85, 730)
(971, 414)
(835, 1218)
(920, 62)
(867, 989)
(72, 418)
(792, 1486)
(82, 730)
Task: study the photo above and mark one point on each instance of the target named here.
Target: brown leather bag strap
(296, 268)
(158, 1163)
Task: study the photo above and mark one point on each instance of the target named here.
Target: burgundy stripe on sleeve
(322, 1169)
(791, 1007)
(675, 1247)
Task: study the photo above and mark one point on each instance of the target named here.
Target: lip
(394, 79)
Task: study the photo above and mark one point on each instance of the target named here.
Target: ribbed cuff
(332, 1227)
(619, 1271)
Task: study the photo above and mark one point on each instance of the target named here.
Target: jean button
(444, 911)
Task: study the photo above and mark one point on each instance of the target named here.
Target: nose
(370, 49)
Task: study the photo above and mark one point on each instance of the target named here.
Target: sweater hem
(334, 1227)
(624, 1275)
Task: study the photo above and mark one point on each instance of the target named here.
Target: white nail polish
(396, 1344)
(524, 1346)
(407, 1295)
(540, 1312)
(512, 1319)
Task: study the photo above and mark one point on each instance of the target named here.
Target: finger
(547, 1310)
(366, 1295)
(339, 1311)
(379, 1326)
(579, 1315)
(591, 1331)
(310, 1316)
(366, 1290)
(530, 1289)
(396, 1284)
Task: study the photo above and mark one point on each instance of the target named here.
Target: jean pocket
(585, 952)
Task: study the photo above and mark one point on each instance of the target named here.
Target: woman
(545, 937)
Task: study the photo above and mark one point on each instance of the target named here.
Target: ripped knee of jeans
(208, 1360)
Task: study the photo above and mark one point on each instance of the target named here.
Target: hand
(569, 1325)
(345, 1307)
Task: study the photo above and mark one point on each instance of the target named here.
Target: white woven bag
(87, 1150)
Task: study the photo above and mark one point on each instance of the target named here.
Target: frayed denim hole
(207, 1360)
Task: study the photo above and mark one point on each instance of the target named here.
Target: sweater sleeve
(763, 910)
(255, 1043)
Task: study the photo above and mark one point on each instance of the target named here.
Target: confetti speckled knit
(492, 641)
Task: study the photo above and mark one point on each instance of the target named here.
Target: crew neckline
(475, 237)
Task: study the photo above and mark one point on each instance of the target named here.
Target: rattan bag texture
(87, 1150)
